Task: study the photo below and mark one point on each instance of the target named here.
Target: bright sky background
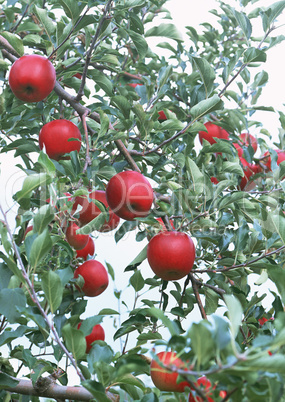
(121, 254)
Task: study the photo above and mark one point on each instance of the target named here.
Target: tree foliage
(238, 230)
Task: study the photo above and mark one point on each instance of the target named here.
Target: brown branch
(87, 159)
(6, 45)
(25, 387)
(244, 265)
(91, 48)
(70, 33)
(195, 287)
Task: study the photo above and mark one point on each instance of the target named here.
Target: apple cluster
(245, 140)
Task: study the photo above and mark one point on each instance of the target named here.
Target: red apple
(171, 255)
(248, 139)
(32, 78)
(160, 221)
(95, 277)
(162, 116)
(205, 384)
(97, 334)
(28, 229)
(214, 180)
(130, 195)
(238, 148)
(266, 158)
(89, 249)
(249, 169)
(90, 210)
(213, 131)
(163, 378)
(78, 241)
(133, 84)
(60, 137)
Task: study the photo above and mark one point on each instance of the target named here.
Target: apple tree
(162, 143)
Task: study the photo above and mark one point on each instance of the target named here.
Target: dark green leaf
(52, 287)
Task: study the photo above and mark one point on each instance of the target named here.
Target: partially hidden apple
(95, 277)
(86, 251)
(213, 131)
(32, 78)
(97, 334)
(59, 137)
(163, 378)
(161, 116)
(90, 210)
(266, 158)
(77, 241)
(171, 255)
(250, 169)
(206, 386)
(245, 139)
(130, 195)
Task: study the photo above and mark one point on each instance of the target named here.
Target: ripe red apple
(238, 148)
(78, 241)
(214, 180)
(32, 78)
(205, 384)
(213, 131)
(248, 139)
(162, 116)
(266, 158)
(171, 255)
(130, 195)
(163, 378)
(60, 137)
(95, 277)
(97, 334)
(28, 229)
(89, 249)
(249, 169)
(90, 210)
(133, 84)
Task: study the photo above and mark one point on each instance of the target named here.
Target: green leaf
(167, 30)
(243, 22)
(140, 43)
(233, 167)
(277, 275)
(271, 13)
(104, 123)
(42, 218)
(41, 245)
(12, 303)
(102, 81)
(137, 281)
(206, 106)
(126, 4)
(212, 300)
(7, 382)
(52, 287)
(170, 325)
(45, 20)
(278, 222)
(207, 73)
(138, 260)
(31, 183)
(202, 342)
(108, 311)
(15, 41)
(196, 176)
(253, 54)
(163, 76)
(100, 352)
(96, 389)
(72, 8)
(122, 104)
(75, 341)
(235, 313)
